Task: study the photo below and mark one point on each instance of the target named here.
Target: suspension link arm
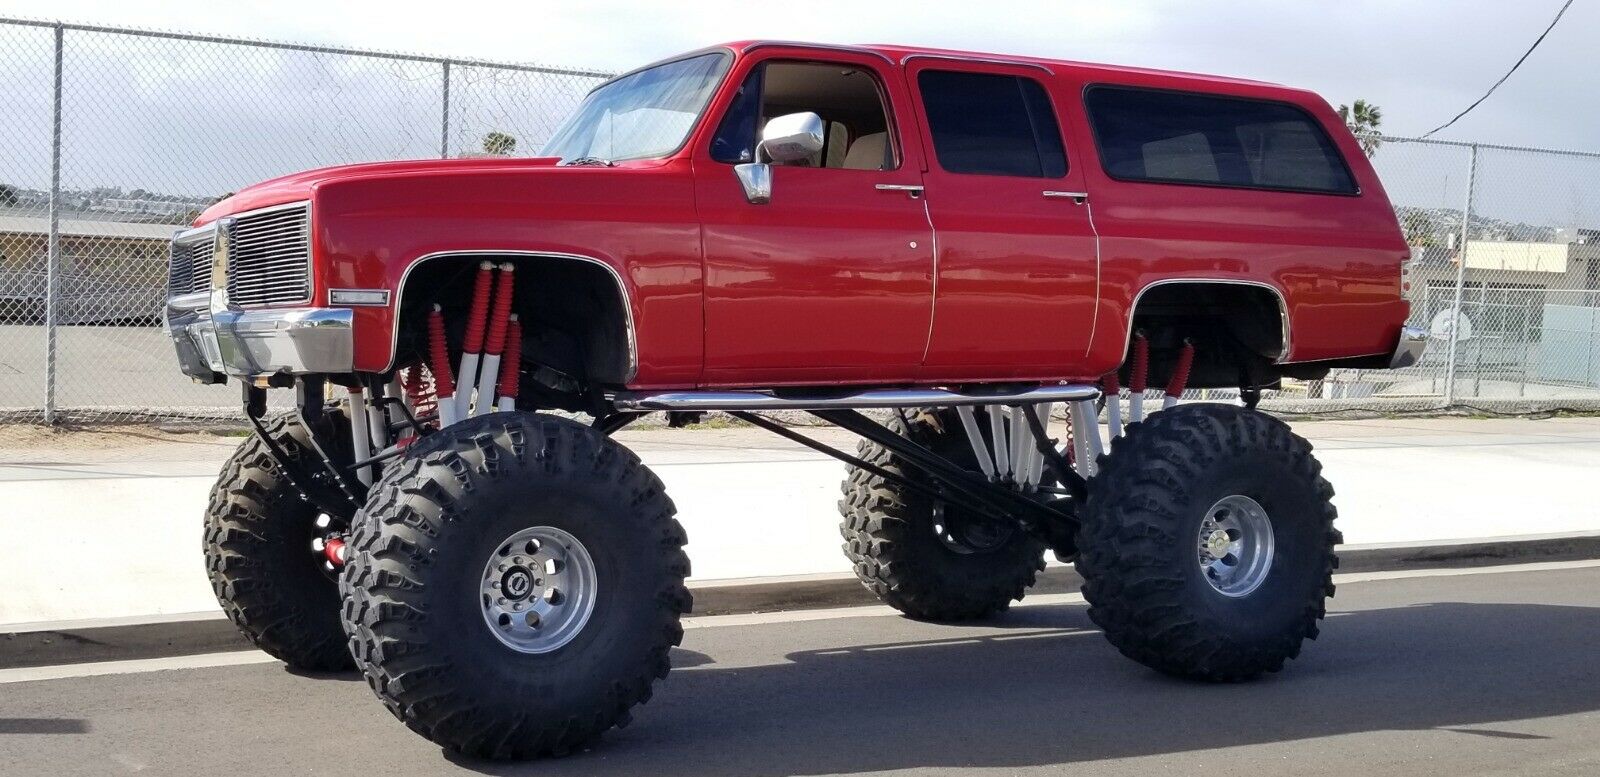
(1032, 514)
(255, 409)
(860, 463)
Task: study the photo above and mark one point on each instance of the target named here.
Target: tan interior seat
(868, 152)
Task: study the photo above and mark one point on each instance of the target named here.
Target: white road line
(247, 657)
(1541, 566)
(1046, 600)
(232, 658)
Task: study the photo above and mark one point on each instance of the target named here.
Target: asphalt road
(1479, 673)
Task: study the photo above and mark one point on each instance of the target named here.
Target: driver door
(832, 279)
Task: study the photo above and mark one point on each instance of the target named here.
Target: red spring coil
(418, 391)
(333, 550)
(511, 363)
(1109, 384)
(479, 312)
(1180, 373)
(439, 355)
(1141, 365)
(502, 310)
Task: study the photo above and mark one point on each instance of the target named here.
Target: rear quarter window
(1212, 140)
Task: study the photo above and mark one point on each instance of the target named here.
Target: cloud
(203, 123)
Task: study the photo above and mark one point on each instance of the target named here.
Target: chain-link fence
(1504, 273)
(116, 138)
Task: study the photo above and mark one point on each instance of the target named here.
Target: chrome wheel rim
(538, 589)
(1235, 546)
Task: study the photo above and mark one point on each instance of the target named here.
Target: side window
(848, 98)
(988, 124)
(1183, 137)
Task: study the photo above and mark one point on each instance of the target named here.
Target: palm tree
(1363, 119)
(499, 144)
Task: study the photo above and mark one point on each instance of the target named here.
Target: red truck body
(839, 281)
(962, 240)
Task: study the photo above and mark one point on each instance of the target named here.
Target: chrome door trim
(867, 399)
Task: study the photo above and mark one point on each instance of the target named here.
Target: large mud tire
(1141, 543)
(412, 587)
(903, 546)
(258, 535)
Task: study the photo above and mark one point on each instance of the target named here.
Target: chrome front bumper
(1408, 351)
(257, 343)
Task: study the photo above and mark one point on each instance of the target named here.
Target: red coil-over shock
(510, 367)
(1137, 375)
(444, 385)
(504, 291)
(419, 393)
(477, 316)
(1180, 375)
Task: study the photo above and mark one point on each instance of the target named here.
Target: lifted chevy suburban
(964, 241)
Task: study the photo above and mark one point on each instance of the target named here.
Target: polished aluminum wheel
(1236, 545)
(538, 589)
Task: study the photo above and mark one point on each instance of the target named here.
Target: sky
(1421, 61)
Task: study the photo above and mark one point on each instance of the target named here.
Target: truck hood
(299, 186)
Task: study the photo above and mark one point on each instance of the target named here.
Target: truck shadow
(1050, 691)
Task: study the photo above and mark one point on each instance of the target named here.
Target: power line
(1503, 78)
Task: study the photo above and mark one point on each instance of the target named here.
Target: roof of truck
(899, 53)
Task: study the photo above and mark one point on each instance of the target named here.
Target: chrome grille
(269, 256)
(189, 266)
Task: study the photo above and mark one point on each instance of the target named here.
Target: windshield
(640, 115)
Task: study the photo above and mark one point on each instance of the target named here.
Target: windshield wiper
(588, 161)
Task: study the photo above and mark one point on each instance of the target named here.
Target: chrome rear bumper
(257, 343)
(1408, 351)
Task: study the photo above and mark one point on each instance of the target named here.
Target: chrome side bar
(859, 400)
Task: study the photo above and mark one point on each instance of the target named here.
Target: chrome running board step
(695, 401)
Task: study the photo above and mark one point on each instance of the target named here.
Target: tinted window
(992, 124)
(1179, 137)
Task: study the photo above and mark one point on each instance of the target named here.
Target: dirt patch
(33, 444)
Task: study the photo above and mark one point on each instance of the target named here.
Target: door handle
(912, 189)
(1078, 198)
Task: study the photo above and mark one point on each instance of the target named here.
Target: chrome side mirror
(787, 138)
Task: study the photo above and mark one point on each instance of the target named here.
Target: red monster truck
(964, 240)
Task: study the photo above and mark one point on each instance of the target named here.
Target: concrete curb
(47, 644)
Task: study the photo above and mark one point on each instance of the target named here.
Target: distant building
(110, 271)
(1530, 309)
(152, 207)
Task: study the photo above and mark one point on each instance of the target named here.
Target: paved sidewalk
(109, 526)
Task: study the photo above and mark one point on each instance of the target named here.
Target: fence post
(1461, 274)
(444, 120)
(52, 261)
